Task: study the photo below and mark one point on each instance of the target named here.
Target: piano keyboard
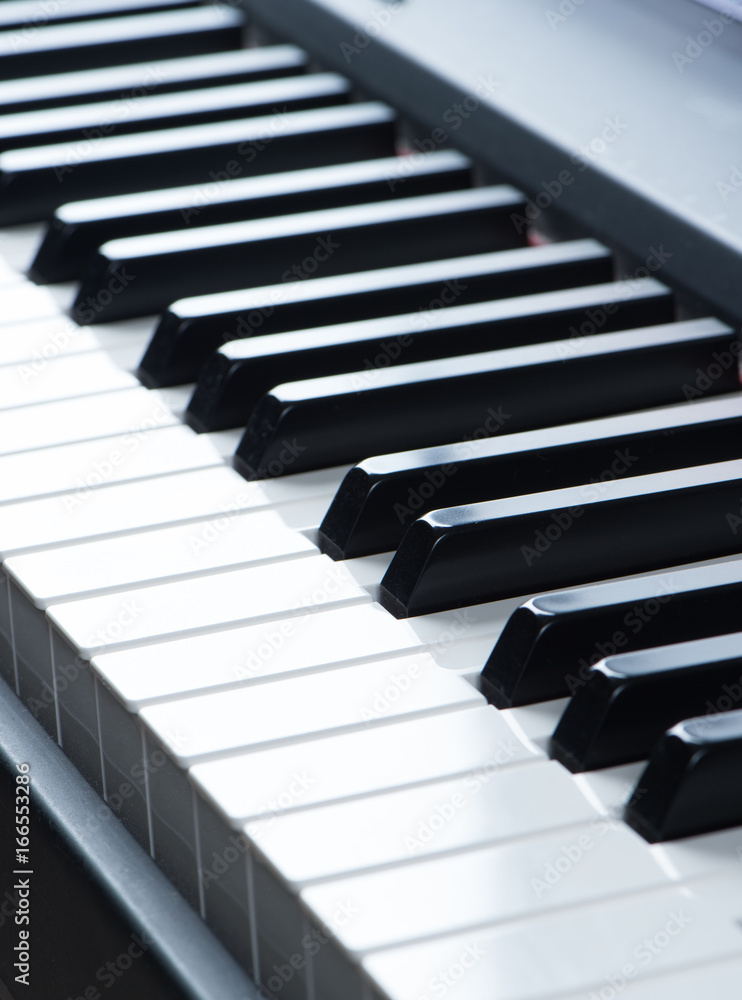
(377, 719)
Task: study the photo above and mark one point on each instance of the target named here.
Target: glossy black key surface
(693, 781)
(234, 378)
(85, 123)
(629, 700)
(483, 552)
(30, 15)
(379, 499)
(550, 643)
(131, 82)
(137, 38)
(78, 229)
(332, 241)
(34, 182)
(341, 418)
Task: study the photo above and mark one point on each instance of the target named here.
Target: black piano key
(501, 548)
(34, 182)
(379, 498)
(193, 327)
(93, 44)
(136, 80)
(237, 375)
(78, 229)
(550, 643)
(631, 699)
(693, 781)
(332, 241)
(30, 15)
(340, 418)
(86, 123)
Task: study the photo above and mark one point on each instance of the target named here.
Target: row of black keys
(521, 386)
(654, 669)
(458, 556)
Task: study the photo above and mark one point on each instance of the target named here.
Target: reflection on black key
(235, 377)
(379, 499)
(89, 122)
(693, 781)
(78, 229)
(136, 80)
(192, 328)
(30, 14)
(92, 44)
(292, 247)
(550, 643)
(631, 699)
(37, 181)
(341, 418)
(483, 552)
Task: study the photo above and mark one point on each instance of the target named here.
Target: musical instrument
(325, 710)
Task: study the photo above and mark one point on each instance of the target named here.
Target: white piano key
(254, 653)
(110, 510)
(247, 786)
(24, 301)
(149, 614)
(279, 713)
(187, 607)
(720, 981)
(34, 344)
(128, 680)
(290, 851)
(185, 551)
(94, 568)
(585, 949)
(62, 378)
(217, 724)
(71, 420)
(702, 856)
(472, 741)
(85, 466)
(496, 884)
(722, 893)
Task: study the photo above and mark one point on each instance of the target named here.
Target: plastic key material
(483, 552)
(343, 418)
(332, 241)
(629, 700)
(380, 497)
(693, 781)
(549, 643)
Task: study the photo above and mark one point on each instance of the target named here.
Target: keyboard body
(637, 147)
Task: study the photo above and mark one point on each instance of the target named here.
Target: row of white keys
(190, 821)
(129, 680)
(232, 795)
(292, 850)
(663, 945)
